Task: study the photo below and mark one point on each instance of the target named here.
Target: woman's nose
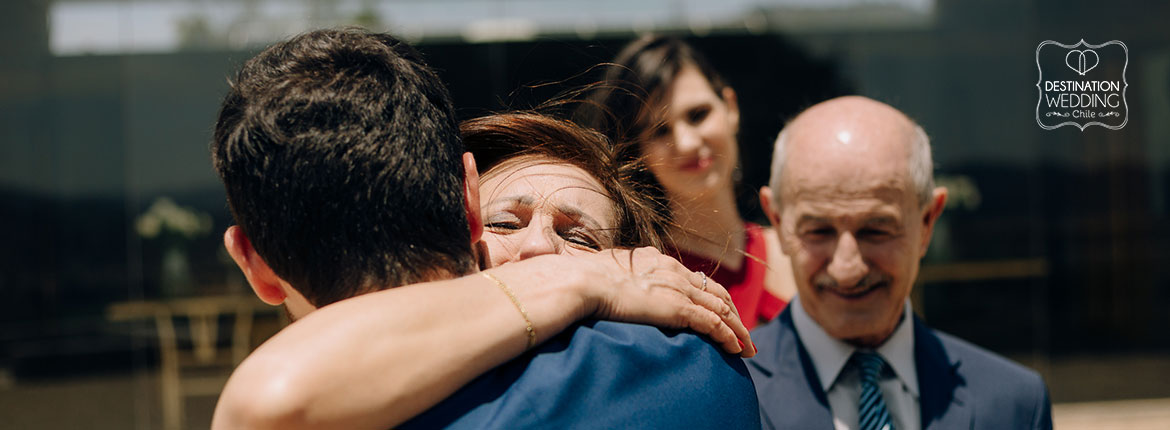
(538, 239)
(687, 139)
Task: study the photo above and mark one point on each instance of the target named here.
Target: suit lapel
(789, 390)
(942, 398)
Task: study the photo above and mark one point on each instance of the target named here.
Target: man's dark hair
(341, 158)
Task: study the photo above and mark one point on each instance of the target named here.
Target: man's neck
(878, 340)
(831, 354)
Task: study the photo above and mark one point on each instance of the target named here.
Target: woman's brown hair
(637, 78)
(494, 139)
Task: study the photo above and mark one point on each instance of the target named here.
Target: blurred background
(123, 311)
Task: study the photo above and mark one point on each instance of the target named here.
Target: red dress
(746, 285)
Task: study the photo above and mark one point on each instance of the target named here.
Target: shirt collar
(830, 355)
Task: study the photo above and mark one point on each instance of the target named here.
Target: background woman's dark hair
(637, 78)
(496, 138)
(640, 73)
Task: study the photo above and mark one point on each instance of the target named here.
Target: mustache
(824, 281)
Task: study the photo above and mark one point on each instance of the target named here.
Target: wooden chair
(192, 361)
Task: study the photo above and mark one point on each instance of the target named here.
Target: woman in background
(663, 95)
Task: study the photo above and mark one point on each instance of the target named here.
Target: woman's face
(694, 150)
(535, 206)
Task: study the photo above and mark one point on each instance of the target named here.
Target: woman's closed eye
(503, 225)
(580, 236)
(503, 222)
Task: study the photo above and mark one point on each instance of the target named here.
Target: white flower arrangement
(164, 216)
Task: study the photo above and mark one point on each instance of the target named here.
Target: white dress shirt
(843, 385)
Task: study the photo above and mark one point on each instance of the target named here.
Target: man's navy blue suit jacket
(960, 386)
(607, 375)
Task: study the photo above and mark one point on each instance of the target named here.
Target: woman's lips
(696, 164)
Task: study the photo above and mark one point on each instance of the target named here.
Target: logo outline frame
(1040, 81)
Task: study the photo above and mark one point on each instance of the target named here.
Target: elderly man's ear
(768, 203)
(766, 200)
(930, 214)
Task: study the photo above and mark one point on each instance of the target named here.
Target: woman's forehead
(540, 172)
(690, 86)
(536, 182)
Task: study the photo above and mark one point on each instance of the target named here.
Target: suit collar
(944, 402)
(786, 377)
(827, 354)
(831, 354)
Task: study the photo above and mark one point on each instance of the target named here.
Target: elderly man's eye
(873, 234)
(822, 232)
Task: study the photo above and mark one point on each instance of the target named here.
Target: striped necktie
(872, 412)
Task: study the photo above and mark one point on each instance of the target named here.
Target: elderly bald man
(853, 199)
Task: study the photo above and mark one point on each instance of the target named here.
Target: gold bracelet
(520, 307)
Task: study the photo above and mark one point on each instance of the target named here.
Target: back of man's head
(341, 158)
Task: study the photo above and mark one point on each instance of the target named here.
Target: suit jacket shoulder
(961, 383)
(607, 375)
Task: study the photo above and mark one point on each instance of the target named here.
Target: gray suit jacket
(961, 386)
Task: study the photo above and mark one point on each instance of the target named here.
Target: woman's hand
(640, 286)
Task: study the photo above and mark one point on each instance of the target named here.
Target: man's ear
(732, 103)
(767, 202)
(930, 215)
(766, 199)
(471, 197)
(264, 282)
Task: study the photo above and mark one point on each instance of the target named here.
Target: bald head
(850, 137)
